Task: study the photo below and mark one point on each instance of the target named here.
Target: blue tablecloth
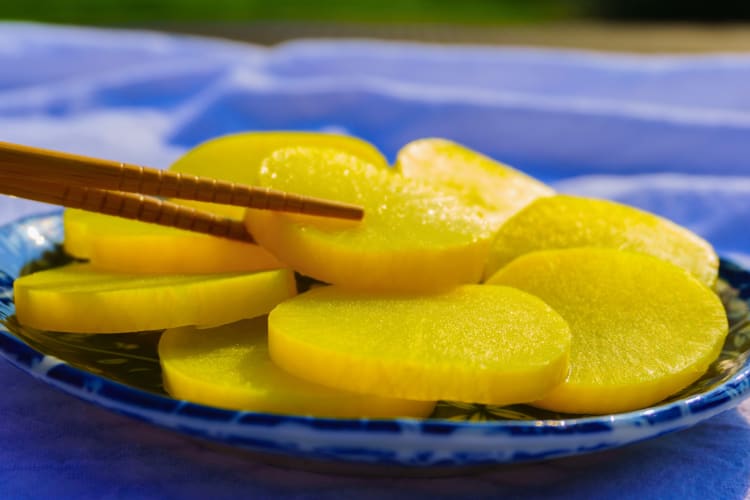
(668, 134)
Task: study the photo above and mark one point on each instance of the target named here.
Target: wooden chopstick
(129, 206)
(32, 165)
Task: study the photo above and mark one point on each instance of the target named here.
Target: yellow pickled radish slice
(411, 238)
(475, 343)
(568, 221)
(237, 158)
(229, 367)
(642, 328)
(122, 245)
(77, 240)
(76, 298)
(499, 189)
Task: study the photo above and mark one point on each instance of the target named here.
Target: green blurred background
(628, 24)
(451, 11)
(124, 11)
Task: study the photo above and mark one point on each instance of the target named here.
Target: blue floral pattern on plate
(123, 375)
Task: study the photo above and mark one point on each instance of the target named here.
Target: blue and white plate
(121, 373)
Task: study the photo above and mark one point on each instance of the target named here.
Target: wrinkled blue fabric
(670, 134)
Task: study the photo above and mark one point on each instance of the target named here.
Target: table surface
(668, 134)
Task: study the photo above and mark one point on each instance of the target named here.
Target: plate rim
(662, 418)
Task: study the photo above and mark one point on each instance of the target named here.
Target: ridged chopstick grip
(191, 187)
(130, 206)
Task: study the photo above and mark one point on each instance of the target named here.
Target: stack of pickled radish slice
(467, 280)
